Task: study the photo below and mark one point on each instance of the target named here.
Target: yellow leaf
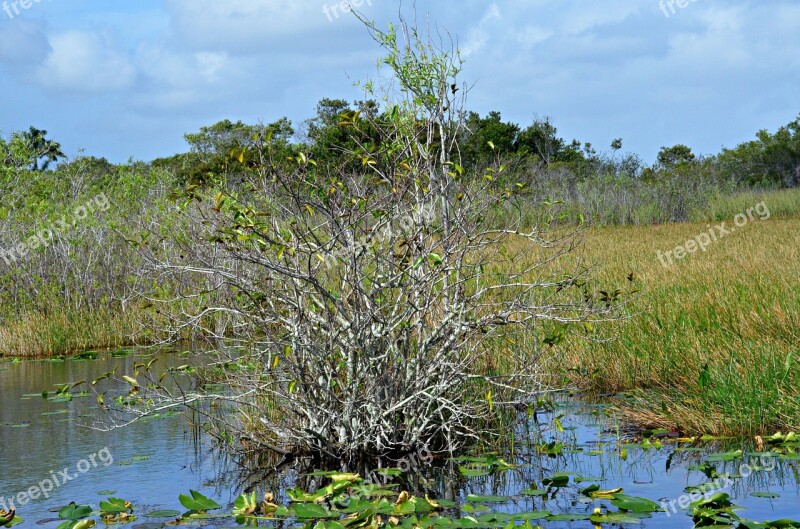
(344, 476)
(404, 497)
(433, 503)
(605, 494)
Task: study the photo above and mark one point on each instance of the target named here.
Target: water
(151, 462)
(148, 463)
(592, 455)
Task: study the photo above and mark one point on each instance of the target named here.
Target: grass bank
(66, 332)
(713, 343)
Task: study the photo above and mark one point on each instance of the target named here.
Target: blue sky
(127, 78)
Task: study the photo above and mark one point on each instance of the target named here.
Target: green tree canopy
(671, 157)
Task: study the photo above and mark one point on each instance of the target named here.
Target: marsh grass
(63, 332)
(782, 203)
(712, 344)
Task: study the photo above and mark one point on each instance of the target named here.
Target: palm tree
(42, 148)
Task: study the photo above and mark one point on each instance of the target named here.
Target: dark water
(151, 462)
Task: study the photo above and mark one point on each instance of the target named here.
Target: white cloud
(610, 68)
(479, 36)
(175, 80)
(164, 67)
(587, 16)
(82, 61)
(243, 26)
(530, 36)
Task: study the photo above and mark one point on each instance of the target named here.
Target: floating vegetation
(64, 393)
(119, 353)
(116, 510)
(76, 516)
(9, 518)
(483, 465)
(546, 480)
(347, 501)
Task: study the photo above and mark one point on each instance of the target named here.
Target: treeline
(72, 271)
(604, 187)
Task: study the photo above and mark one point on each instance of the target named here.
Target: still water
(150, 463)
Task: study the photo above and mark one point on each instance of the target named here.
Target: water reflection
(152, 460)
(156, 460)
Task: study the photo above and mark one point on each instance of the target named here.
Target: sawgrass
(712, 344)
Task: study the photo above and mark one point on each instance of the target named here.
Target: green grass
(782, 203)
(713, 341)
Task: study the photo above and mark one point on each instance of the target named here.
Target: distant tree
(670, 157)
(541, 140)
(32, 149)
(769, 159)
(225, 136)
(780, 156)
(332, 139)
(328, 115)
(218, 148)
(487, 137)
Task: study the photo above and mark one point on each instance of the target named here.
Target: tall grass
(782, 203)
(713, 341)
(62, 332)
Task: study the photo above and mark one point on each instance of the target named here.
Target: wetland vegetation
(395, 314)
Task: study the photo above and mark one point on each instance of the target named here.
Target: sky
(126, 79)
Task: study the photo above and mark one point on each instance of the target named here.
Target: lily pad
(556, 480)
(635, 504)
(614, 517)
(567, 517)
(197, 502)
(312, 511)
(487, 499)
(765, 495)
(725, 456)
(473, 472)
(164, 514)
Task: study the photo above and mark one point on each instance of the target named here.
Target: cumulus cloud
(600, 69)
(83, 61)
(245, 27)
(478, 36)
